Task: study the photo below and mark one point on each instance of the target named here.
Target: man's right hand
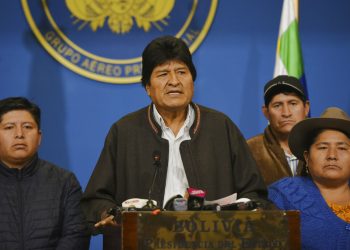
(106, 220)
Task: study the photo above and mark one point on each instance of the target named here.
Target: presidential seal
(103, 39)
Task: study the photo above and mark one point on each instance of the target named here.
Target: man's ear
(265, 112)
(307, 108)
(40, 136)
(147, 88)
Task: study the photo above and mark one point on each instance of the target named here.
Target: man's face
(171, 86)
(19, 138)
(284, 111)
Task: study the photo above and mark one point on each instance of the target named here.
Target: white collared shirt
(176, 179)
(292, 162)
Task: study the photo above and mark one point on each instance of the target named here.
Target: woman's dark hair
(20, 103)
(164, 49)
(308, 143)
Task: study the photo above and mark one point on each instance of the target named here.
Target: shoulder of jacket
(132, 116)
(211, 112)
(52, 169)
(299, 191)
(284, 182)
(258, 139)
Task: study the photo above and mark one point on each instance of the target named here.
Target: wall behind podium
(233, 62)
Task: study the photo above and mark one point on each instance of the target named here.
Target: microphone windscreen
(136, 203)
(180, 204)
(169, 205)
(195, 199)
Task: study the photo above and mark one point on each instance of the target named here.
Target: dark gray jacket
(40, 208)
(216, 159)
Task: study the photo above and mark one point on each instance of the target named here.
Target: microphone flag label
(196, 192)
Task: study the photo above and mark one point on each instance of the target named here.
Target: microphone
(195, 199)
(156, 162)
(180, 204)
(135, 204)
(176, 203)
(241, 205)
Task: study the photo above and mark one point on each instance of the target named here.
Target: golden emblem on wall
(103, 39)
(119, 15)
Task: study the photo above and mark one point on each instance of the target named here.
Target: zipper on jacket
(20, 206)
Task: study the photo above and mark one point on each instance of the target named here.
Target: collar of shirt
(184, 129)
(290, 156)
(292, 162)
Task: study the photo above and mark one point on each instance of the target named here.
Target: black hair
(20, 103)
(161, 50)
(309, 140)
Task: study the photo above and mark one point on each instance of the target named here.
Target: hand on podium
(107, 219)
(112, 216)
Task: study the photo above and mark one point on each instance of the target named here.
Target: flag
(289, 59)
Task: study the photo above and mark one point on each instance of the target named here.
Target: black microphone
(196, 199)
(176, 203)
(156, 162)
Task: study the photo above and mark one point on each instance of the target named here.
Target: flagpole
(296, 8)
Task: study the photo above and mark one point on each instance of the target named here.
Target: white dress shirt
(176, 179)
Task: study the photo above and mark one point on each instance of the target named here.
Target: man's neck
(17, 165)
(283, 141)
(285, 147)
(338, 193)
(174, 119)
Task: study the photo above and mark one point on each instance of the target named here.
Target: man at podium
(161, 150)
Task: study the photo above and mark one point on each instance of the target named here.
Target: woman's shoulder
(291, 183)
(300, 192)
(291, 187)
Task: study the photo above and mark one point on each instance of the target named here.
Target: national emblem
(120, 13)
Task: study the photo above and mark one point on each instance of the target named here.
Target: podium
(267, 229)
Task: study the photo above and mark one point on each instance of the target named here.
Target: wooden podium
(268, 229)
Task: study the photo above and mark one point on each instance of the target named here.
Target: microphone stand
(150, 204)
